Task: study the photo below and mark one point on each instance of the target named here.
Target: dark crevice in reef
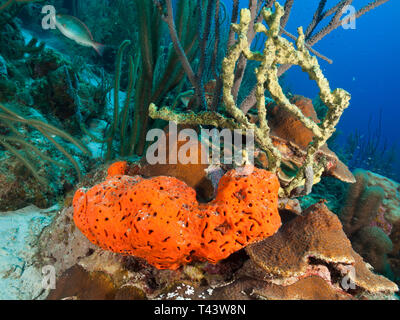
(336, 276)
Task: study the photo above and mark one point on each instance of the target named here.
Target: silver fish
(76, 30)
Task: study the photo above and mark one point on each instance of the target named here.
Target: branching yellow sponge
(277, 51)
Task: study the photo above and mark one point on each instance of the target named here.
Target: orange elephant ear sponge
(145, 218)
(159, 219)
(244, 211)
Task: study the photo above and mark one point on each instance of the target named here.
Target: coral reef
(284, 125)
(63, 246)
(160, 220)
(310, 246)
(361, 205)
(309, 288)
(291, 138)
(20, 189)
(68, 244)
(192, 172)
(10, 119)
(330, 190)
(185, 229)
(79, 284)
(40, 120)
(391, 200)
(374, 245)
(118, 168)
(305, 274)
(277, 51)
(371, 219)
(317, 234)
(152, 72)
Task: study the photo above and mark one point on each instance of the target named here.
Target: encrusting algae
(160, 220)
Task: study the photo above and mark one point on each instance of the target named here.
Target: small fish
(76, 30)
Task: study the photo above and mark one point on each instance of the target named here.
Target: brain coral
(159, 219)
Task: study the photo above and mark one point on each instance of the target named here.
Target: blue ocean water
(365, 64)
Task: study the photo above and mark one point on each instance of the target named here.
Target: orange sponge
(160, 220)
(244, 211)
(117, 168)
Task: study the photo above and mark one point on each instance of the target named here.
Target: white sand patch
(19, 231)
